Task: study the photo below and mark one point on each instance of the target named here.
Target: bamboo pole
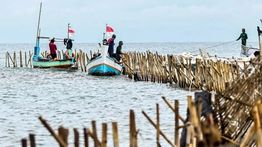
(257, 126)
(21, 59)
(259, 41)
(8, 56)
(32, 140)
(154, 125)
(24, 142)
(173, 109)
(84, 61)
(176, 137)
(86, 140)
(132, 129)
(157, 126)
(194, 117)
(63, 134)
(15, 61)
(25, 60)
(30, 59)
(52, 132)
(97, 143)
(104, 135)
(6, 59)
(76, 138)
(12, 59)
(94, 132)
(115, 134)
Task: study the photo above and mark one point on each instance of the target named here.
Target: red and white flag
(71, 31)
(109, 31)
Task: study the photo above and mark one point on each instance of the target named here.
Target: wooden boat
(103, 65)
(248, 51)
(44, 62)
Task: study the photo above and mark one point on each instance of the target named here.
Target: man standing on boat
(69, 45)
(111, 44)
(243, 37)
(119, 51)
(53, 48)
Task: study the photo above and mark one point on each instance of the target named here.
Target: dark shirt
(119, 50)
(244, 38)
(69, 44)
(52, 48)
(111, 47)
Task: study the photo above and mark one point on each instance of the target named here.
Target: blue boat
(104, 65)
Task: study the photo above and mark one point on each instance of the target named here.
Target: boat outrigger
(44, 62)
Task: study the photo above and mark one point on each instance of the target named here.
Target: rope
(221, 44)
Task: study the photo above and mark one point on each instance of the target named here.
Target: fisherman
(243, 37)
(69, 45)
(119, 51)
(111, 45)
(53, 49)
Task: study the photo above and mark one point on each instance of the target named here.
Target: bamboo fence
(186, 72)
(235, 120)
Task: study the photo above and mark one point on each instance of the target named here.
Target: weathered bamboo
(15, 60)
(6, 59)
(24, 142)
(173, 109)
(157, 126)
(25, 59)
(257, 126)
(52, 132)
(63, 134)
(176, 137)
(97, 142)
(94, 132)
(154, 125)
(76, 138)
(104, 135)
(132, 129)
(86, 140)
(30, 59)
(115, 134)
(12, 60)
(32, 140)
(21, 59)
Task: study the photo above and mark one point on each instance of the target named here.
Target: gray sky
(133, 20)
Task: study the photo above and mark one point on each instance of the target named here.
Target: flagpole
(68, 30)
(38, 26)
(259, 41)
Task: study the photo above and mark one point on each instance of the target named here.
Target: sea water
(73, 98)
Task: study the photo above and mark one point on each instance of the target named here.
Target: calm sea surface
(73, 98)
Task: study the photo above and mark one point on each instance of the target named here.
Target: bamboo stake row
(234, 106)
(62, 134)
(186, 72)
(200, 132)
(17, 61)
(81, 57)
(196, 131)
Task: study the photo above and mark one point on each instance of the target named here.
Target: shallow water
(73, 99)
